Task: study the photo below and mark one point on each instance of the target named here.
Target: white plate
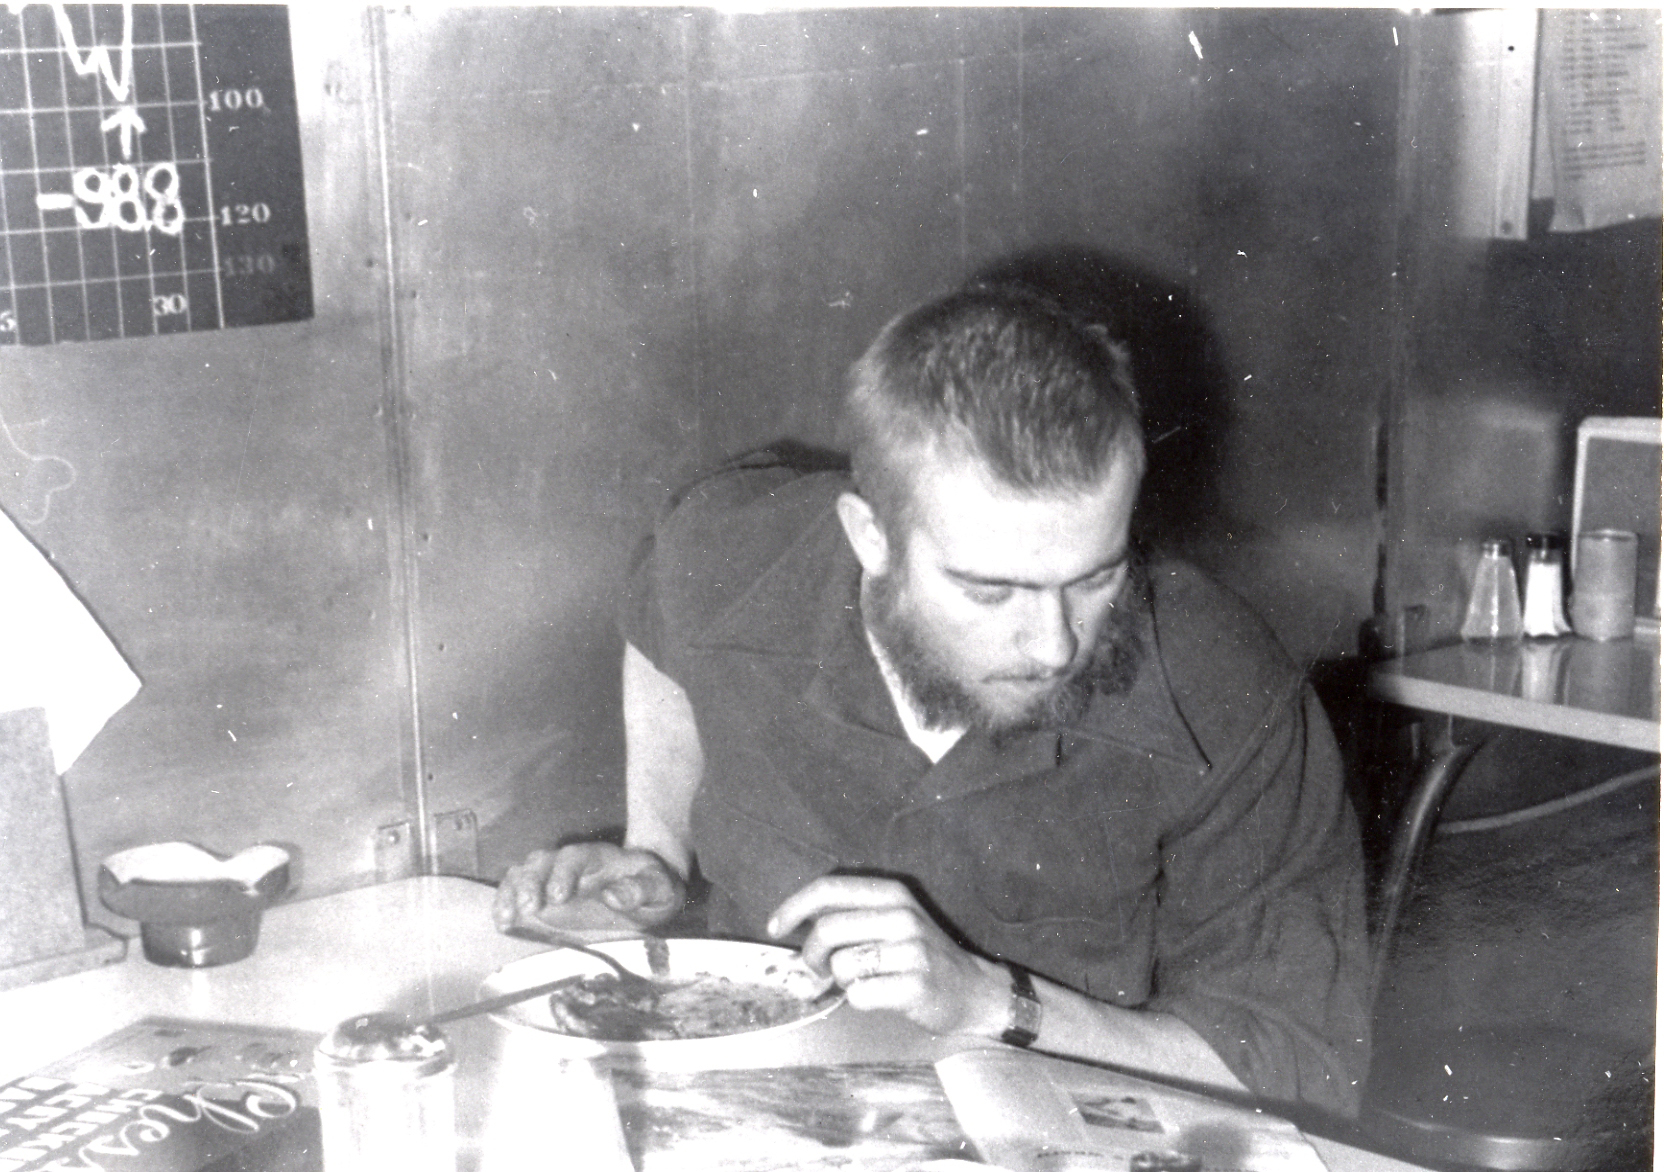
(738, 960)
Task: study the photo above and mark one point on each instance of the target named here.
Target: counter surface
(419, 945)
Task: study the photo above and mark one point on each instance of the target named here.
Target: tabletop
(1593, 691)
(423, 945)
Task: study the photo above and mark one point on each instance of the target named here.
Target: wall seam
(1021, 192)
(395, 420)
(964, 166)
(1388, 596)
(689, 29)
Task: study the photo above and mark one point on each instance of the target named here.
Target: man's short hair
(998, 373)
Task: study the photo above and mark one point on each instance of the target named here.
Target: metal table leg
(1415, 826)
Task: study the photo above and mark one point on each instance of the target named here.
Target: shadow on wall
(1176, 367)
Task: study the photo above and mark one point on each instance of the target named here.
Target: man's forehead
(972, 525)
(961, 482)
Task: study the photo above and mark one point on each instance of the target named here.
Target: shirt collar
(932, 742)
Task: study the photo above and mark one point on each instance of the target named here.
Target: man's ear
(866, 536)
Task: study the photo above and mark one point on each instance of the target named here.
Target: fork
(631, 981)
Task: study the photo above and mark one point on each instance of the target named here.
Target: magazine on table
(168, 1095)
(1001, 1107)
(173, 1095)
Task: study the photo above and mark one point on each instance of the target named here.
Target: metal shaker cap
(387, 1037)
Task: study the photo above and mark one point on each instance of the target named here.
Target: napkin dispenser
(195, 908)
(1616, 487)
(42, 933)
(61, 679)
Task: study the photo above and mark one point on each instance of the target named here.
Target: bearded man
(996, 767)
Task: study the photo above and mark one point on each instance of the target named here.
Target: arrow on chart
(128, 121)
(95, 62)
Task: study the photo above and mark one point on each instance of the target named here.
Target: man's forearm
(1079, 1026)
(663, 763)
(1139, 1039)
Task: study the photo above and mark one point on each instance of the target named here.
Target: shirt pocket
(1061, 904)
(1037, 863)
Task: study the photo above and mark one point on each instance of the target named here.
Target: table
(419, 945)
(1605, 692)
(1602, 692)
(1593, 691)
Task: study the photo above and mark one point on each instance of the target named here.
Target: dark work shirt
(1186, 846)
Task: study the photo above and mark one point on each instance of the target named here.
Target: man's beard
(944, 702)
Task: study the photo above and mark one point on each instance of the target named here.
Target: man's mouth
(1037, 675)
(1028, 682)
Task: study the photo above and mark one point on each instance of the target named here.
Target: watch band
(1024, 1029)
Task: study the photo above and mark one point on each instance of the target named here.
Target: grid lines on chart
(104, 173)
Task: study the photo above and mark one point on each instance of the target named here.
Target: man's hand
(886, 951)
(578, 885)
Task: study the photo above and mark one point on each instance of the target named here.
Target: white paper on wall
(53, 653)
(1598, 122)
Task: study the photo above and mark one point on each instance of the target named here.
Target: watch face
(1025, 1014)
(1025, 1011)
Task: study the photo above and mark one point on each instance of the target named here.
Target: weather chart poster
(150, 171)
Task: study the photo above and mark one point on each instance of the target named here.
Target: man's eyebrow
(970, 579)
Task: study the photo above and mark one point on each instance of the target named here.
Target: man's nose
(1049, 639)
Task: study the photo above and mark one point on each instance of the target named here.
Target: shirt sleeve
(1261, 942)
(717, 536)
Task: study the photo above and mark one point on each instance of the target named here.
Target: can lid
(371, 1037)
(1547, 541)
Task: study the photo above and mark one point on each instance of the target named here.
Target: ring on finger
(868, 960)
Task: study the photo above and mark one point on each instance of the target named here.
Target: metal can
(386, 1096)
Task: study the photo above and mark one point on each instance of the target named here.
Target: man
(947, 722)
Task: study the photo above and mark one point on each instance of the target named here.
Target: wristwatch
(1025, 1009)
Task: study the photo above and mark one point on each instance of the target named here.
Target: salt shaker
(1494, 606)
(386, 1097)
(1545, 586)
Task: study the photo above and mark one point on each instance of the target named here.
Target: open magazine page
(1125, 1116)
(1000, 1108)
(876, 1117)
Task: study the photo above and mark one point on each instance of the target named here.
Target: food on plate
(703, 1006)
(1169, 1161)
